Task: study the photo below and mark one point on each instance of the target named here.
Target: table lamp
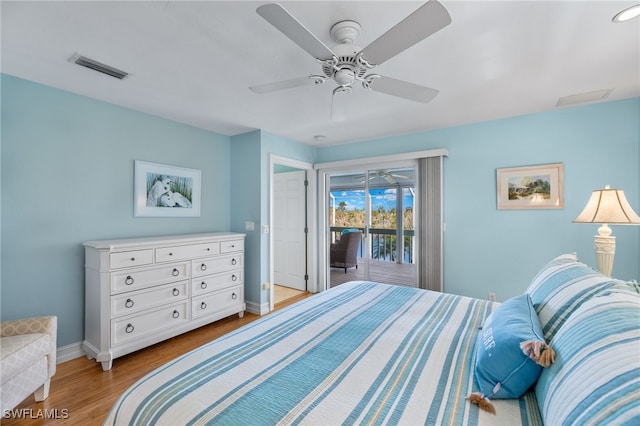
(608, 207)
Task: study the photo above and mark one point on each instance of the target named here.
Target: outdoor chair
(344, 253)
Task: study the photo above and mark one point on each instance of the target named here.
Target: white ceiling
(193, 61)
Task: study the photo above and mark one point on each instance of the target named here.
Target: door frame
(365, 168)
(325, 170)
(292, 263)
(312, 221)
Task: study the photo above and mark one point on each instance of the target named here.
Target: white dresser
(141, 291)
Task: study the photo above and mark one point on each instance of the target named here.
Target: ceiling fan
(386, 175)
(347, 63)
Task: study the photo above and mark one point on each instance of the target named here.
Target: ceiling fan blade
(403, 89)
(282, 85)
(389, 179)
(277, 16)
(428, 19)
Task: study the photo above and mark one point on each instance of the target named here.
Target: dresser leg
(106, 365)
(241, 314)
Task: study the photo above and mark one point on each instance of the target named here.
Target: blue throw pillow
(502, 369)
(346, 231)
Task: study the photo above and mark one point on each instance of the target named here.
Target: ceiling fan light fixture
(627, 14)
(344, 77)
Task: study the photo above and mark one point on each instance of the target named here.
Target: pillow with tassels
(511, 353)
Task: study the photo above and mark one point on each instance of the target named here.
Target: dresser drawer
(231, 246)
(136, 301)
(137, 326)
(142, 278)
(211, 283)
(216, 264)
(168, 254)
(217, 301)
(126, 259)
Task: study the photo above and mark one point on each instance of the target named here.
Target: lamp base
(605, 251)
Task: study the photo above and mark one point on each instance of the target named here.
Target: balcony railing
(383, 243)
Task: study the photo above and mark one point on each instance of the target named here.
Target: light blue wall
(250, 199)
(67, 170)
(67, 177)
(486, 249)
(246, 200)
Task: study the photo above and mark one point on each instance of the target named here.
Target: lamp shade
(608, 206)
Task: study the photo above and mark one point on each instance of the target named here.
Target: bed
(360, 353)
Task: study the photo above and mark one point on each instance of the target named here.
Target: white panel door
(288, 233)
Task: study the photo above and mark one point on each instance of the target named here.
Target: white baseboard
(69, 352)
(75, 350)
(257, 309)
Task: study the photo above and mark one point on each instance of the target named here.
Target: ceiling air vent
(579, 98)
(98, 66)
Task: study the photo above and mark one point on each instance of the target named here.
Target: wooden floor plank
(403, 274)
(82, 394)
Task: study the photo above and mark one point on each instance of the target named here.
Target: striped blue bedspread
(361, 353)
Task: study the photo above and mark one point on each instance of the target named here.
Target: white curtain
(429, 241)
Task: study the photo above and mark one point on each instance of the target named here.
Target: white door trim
(365, 161)
(323, 189)
(312, 221)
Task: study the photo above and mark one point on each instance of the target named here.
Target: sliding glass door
(379, 204)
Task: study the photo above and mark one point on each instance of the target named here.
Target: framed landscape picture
(530, 187)
(161, 190)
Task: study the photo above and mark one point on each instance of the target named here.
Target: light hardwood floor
(82, 394)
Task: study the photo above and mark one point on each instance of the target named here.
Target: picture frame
(162, 190)
(530, 187)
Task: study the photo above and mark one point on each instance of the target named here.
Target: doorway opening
(371, 226)
(292, 267)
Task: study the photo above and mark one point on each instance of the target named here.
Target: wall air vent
(98, 66)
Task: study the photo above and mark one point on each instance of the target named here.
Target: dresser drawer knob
(170, 254)
(176, 292)
(203, 267)
(233, 246)
(203, 285)
(175, 272)
(128, 303)
(234, 278)
(129, 280)
(208, 249)
(176, 314)
(234, 261)
(133, 259)
(234, 296)
(203, 305)
(129, 328)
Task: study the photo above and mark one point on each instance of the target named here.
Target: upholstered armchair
(344, 253)
(28, 359)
